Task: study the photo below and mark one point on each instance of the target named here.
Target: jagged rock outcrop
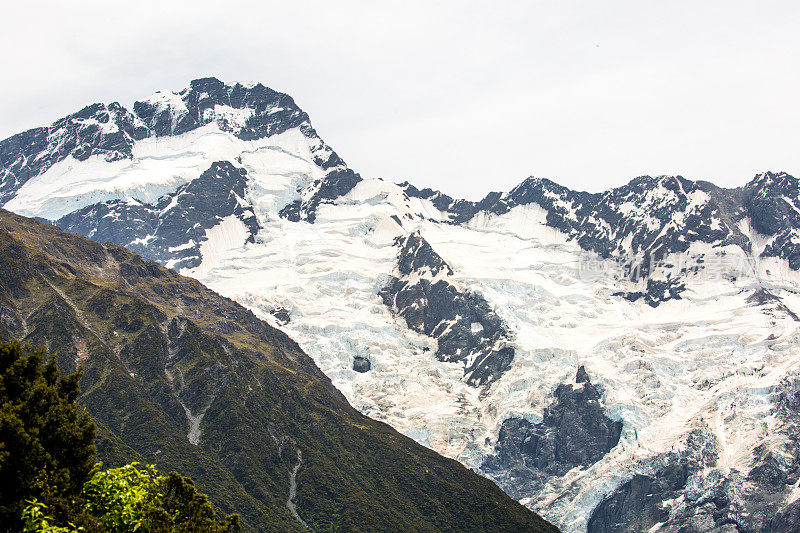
(267, 112)
(337, 183)
(574, 432)
(772, 202)
(638, 504)
(424, 293)
(362, 364)
(770, 304)
(282, 315)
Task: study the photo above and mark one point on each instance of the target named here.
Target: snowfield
(160, 165)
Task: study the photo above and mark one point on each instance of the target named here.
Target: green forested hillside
(159, 349)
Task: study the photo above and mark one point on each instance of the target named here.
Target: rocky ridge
(465, 327)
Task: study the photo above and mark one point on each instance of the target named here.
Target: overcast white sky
(463, 96)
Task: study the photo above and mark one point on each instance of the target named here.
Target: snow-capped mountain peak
(248, 111)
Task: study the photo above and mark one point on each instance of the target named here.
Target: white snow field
(709, 359)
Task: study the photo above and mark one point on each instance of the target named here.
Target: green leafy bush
(133, 498)
(123, 499)
(36, 521)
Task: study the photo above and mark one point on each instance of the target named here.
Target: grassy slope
(148, 337)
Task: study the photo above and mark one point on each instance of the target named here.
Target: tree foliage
(36, 519)
(123, 499)
(189, 510)
(46, 440)
(134, 498)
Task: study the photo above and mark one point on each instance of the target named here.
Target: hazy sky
(463, 96)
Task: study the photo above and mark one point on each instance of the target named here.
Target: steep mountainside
(182, 377)
(463, 324)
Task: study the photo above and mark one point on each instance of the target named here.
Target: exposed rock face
(467, 330)
(361, 364)
(459, 210)
(646, 209)
(337, 183)
(638, 504)
(208, 99)
(770, 303)
(171, 230)
(787, 519)
(772, 202)
(574, 432)
(282, 315)
(656, 291)
(644, 500)
(689, 494)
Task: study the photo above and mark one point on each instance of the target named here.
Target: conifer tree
(46, 440)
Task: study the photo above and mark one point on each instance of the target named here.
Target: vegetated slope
(181, 377)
